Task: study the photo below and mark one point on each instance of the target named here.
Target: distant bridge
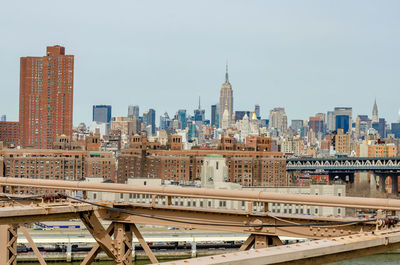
(345, 167)
(344, 164)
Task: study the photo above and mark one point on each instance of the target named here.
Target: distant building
(239, 115)
(9, 133)
(375, 117)
(46, 97)
(396, 129)
(316, 124)
(214, 115)
(278, 119)
(3, 118)
(133, 111)
(226, 98)
(182, 118)
(330, 121)
(199, 114)
(257, 111)
(297, 125)
(343, 111)
(342, 142)
(342, 122)
(380, 127)
(102, 113)
(149, 119)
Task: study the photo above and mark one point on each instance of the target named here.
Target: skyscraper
(375, 117)
(257, 111)
(149, 119)
(214, 115)
(278, 119)
(199, 114)
(181, 116)
(102, 113)
(343, 122)
(46, 97)
(3, 118)
(133, 111)
(226, 99)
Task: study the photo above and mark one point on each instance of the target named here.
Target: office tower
(330, 121)
(133, 111)
(375, 116)
(278, 119)
(214, 115)
(102, 113)
(199, 114)
(396, 129)
(316, 124)
(226, 99)
(343, 111)
(257, 111)
(380, 127)
(297, 125)
(164, 121)
(149, 119)
(363, 123)
(46, 97)
(239, 115)
(3, 118)
(181, 116)
(342, 122)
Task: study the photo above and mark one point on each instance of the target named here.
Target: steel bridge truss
(264, 228)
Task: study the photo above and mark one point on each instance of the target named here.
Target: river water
(381, 259)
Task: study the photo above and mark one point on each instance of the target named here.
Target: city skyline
(271, 47)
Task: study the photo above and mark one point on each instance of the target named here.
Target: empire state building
(226, 99)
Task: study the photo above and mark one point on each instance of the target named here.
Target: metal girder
(33, 245)
(313, 252)
(260, 241)
(98, 232)
(42, 212)
(143, 243)
(91, 256)
(8, 244)
(205, 218)
(123, 244)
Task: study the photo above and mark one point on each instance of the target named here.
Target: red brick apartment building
(246, 165)
(46, 98)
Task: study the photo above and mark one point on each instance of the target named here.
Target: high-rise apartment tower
(46, 97)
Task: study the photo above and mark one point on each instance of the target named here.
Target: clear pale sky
(306, 56)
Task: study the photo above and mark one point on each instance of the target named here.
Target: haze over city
(306, 56)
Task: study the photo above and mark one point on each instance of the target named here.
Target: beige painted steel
(143, 243)
(98, 232)
(33, 245)
(201, 218)
(8, 244)
(254, 196)
(91, 256)
(42, 212)
(313, 252)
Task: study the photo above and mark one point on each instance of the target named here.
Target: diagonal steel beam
(98, 232)
(91, 256)
(143, 243)
(33, 245)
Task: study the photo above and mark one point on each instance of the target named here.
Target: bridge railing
(203, 193)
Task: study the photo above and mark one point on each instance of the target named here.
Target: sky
(306, 56)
